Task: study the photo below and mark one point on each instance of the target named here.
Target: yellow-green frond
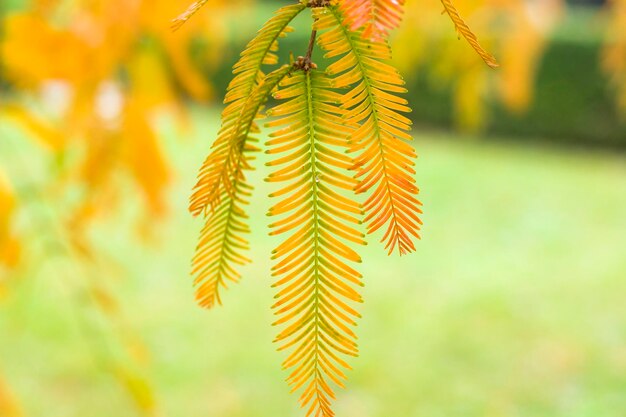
(219, 170)
(222, 243)
(463, 29)
(384, 161)
(315, 215)
(375, 17)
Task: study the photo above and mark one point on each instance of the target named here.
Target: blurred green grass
(512, 306)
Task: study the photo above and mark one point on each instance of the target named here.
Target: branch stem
(309, 51)
(304, 62)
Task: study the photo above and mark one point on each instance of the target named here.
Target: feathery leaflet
(384, 160)
(221, 244)
(463, 29)
(375, 17)
(220, 167)
(313, 262)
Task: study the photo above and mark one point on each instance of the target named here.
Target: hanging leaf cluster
(335, 132)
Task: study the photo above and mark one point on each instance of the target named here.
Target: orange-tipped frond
(375, 17)
(384, 162)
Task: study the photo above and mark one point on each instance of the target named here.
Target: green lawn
(514, 304)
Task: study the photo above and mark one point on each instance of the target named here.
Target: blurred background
(512, 306)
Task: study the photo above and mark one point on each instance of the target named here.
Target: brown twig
(304, 62)
(309, 51)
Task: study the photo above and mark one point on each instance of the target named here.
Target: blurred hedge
(573, 102)
(573, 97)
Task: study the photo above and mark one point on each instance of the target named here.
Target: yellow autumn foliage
(9, 244)
(87, 80)
(99, 72)
(84, 82)
(8, 403)
(515, 31)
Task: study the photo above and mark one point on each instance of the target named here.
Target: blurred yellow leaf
(192, 80)
(8, 404)
(138, 389)
(520, 60)
(105, 300)
(151, 84)
(9, 245)
(34, 126)
(34, 51)
(468, 99)
(144, 157)
(7, 204)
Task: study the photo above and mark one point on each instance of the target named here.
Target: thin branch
(304, 62)
(309, 51)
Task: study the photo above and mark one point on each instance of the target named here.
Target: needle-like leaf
(375, 17)
(220, 168)
(222, 243)
(316, 281)
(384, 162)
(463, 29)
